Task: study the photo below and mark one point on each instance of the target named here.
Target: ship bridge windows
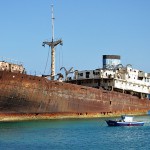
(140, 78)
(95, 73)
(87, 74)
(80, 74)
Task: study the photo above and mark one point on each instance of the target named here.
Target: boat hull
(27, 94)
(116, 123)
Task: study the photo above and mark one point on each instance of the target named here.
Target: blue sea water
(73, 134)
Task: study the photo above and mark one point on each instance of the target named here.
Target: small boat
(124, 121)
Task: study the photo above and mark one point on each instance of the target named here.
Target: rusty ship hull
(33, 96)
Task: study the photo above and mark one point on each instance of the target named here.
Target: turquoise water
(73, 134)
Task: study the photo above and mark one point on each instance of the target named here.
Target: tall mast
(52, 23)
(52, 44)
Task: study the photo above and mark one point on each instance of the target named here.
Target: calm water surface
(73, 134)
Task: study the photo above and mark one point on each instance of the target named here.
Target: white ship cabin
(127, 118)
(5, 66)
(124, 79)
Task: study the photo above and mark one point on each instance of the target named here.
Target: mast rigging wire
(47, 60)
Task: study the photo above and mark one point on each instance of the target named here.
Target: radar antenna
(52, 44)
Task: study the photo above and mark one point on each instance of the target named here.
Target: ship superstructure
(114, 76)
(11, 67)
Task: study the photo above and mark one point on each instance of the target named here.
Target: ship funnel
(111, 61)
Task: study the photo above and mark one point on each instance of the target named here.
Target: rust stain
(24, 95)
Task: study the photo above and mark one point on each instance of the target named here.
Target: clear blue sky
(88, 28)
